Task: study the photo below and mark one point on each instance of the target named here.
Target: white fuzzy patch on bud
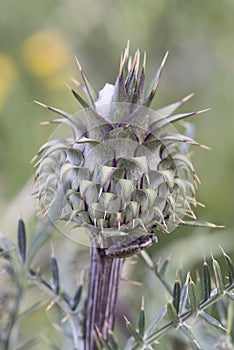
(103, 103)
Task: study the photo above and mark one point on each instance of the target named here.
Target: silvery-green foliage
(190, 311)
(18, 276)
(199, 313)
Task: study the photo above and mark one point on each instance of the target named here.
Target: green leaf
(161, 266)
(171, 311)
(160, 269)
(98, 345)
(157, 319)
(211, 320)
(113, 341)
(176, 295)
(193, 296)
(38, 241)
(206, 281)
(147, 258)
(55, 274)
(141, 321)
(134, 332)
(218, 276)
(77, 297)
(230, 266)
(184, 295)
(190, 336)
(103, 341)
(22, 240)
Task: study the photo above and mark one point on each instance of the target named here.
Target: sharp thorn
(41, 104)
(186, 98)
(78, 64)
(144, 62)
(203, 111)
(164, 59)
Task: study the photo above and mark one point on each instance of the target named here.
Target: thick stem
(104, 277)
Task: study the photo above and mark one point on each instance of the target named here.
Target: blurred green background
(38, 44)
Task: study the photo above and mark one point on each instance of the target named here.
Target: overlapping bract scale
(123, 170)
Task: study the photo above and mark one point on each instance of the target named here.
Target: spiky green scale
(123, 172)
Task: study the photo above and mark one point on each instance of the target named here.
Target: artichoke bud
(123, 169)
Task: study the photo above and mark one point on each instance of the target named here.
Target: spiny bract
(124, 172)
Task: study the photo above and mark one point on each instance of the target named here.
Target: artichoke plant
(124, 174)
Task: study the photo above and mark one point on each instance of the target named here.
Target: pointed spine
(154, 84)
(85, 80)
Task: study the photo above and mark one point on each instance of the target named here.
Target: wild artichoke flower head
(124, 173)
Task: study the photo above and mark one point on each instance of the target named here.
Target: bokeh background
(38, 44)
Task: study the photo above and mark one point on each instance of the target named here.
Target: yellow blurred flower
(46, 55)
(7, 76)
